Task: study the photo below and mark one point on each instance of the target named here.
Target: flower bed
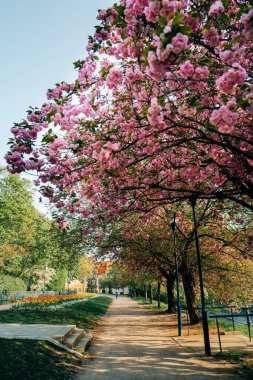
(43, 301)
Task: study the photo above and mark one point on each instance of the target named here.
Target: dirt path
(132, 343)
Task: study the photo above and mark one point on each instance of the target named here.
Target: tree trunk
(146, 292)
(170, 280)
(158, 295)
(150, 294)
(190, 293)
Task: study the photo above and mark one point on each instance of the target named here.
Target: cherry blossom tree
(162, 109)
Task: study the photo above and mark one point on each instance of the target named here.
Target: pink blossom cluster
(136, 6)
(15, 159)
(233, 56)
(211, 37)
(133, 8)
(216, 9)
(58, 91)
(134, 74)
(85, 74)
(23, 134)
(178, 44)
(148, 141)
(154, 113)
(102, 15)
(114, 78)
(169, 7)
(156, 69)
(224, 119)
(247, 20)
(34, 165)
(152, 11)
(188, 70)
(231, 78)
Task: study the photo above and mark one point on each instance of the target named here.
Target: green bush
(59, 280)
(11, 284)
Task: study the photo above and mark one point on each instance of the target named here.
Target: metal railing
(228, 313)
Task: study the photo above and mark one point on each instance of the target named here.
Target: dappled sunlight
(133, 343)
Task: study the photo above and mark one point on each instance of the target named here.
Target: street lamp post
(179, 312)
(193, 200)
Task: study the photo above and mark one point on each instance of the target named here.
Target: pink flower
(179, 43)
(201, 72)
(102, 15)
(186, 69)
(211, 37)
(247, 20)
(31, 165)
(169, 7)
(216, 9)
(152, 10)
(230, 57)
(114, 78)
(154, 113)
(234, 76)
(156, 70)
(224, 119)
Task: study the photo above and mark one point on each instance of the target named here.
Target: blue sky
(39, 41)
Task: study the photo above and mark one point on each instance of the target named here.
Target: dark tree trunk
(150, 294)
(190, 293)
(158, 295)
(170, 280)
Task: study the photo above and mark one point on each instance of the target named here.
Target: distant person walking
(116, 293)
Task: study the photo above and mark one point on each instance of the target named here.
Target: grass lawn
(37, 360)
(153, 306)
(29, 359)
(83, 314)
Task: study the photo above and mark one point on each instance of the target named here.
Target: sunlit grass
(83, 314)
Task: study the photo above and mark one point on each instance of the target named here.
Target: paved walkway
(133, 343)
(6, 306)
(36, 331)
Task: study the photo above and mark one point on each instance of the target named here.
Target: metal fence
(241, 317)
(233, 315)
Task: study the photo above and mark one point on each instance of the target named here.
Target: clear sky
(39, 41)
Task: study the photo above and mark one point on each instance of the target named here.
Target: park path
(133, 343)
(6, 306)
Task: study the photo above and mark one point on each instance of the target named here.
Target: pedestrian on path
(116, 293)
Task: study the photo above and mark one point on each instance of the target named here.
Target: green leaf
(49, 138)
(159, 31)
(177, 20)
(163, 21)
(50, 114)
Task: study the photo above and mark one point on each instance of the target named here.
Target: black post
(193, 200)
(218, 332)
(248, 323)
(233, 321)
(179, 313)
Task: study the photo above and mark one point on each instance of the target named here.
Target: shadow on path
(133, 343)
